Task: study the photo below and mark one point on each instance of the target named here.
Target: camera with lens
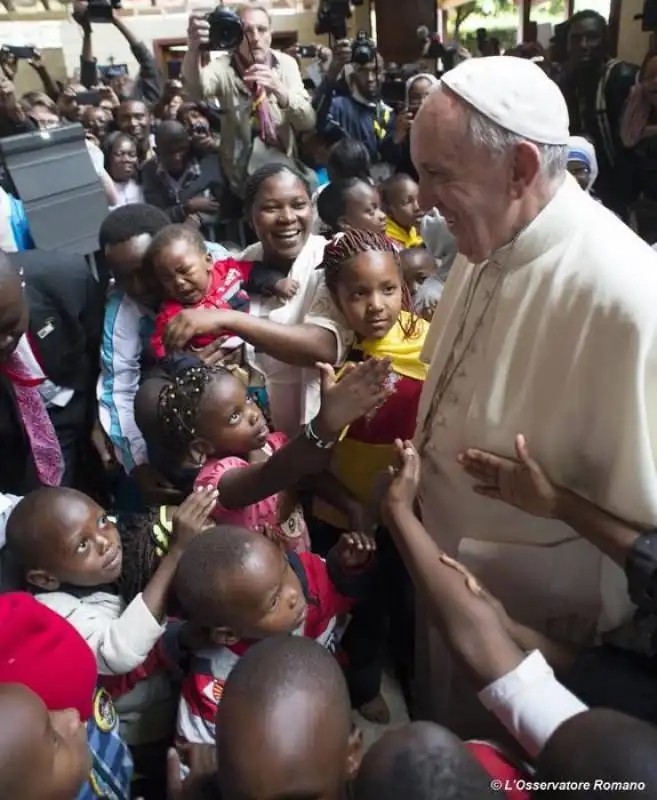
(363, 49)
(226, 29)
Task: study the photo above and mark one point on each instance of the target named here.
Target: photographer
(398, 151)
(147, 87)
(354, 108)
(259, 89)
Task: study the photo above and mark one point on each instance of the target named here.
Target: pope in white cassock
(547, 326)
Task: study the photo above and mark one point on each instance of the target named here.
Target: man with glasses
(259, 89)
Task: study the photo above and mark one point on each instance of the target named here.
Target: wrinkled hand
(520, 483)
(198, 32)
(201, 205)
(193, 322)
(154, 488)
(191, 516)
(202, 762)
(267, 78)
(355, 550)
(286, 288)
(405, 477)
(358, 391)
(103, 447)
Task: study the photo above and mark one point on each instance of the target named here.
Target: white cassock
(554, 337)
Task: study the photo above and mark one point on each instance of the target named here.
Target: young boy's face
(417, 265)
(183, 271)
(363, 209)
(43, 755)
(126, 263)
(266, 596)
(404, 205)
(79, 545)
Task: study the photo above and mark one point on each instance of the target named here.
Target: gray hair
(485, 133)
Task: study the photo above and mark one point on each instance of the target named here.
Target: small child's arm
(519, 689)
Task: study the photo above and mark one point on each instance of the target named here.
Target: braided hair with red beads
(346, 246)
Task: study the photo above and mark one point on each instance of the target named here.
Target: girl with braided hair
(208, 420)
(363, 273)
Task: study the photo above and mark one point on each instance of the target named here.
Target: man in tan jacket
(239, 81)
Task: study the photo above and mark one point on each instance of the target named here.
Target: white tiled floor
(398, 712)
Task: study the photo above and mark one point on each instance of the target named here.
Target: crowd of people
(348, 387)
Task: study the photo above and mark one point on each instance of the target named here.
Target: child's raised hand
(192, 514)
(359, 390)
(405, 475)
(355, 550)
(520, 483)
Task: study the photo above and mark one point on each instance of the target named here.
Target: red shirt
(226, 291)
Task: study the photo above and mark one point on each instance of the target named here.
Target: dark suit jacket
(66, 313)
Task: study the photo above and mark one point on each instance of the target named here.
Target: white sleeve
(531, 703)
(324, 313)
(120, 372)
(7, 504)
(120, 643)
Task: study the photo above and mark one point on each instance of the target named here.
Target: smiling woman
(296, 323)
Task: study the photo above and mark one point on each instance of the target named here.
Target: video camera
(363, 49)
(332, 16)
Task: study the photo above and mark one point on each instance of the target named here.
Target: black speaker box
(53, 175)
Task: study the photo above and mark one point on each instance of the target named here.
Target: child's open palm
(520, 483)
(191, 516)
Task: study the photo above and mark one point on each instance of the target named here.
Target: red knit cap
(44, 652)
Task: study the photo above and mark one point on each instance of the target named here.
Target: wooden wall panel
(396, 26)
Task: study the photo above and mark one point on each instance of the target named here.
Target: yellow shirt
(403, 237)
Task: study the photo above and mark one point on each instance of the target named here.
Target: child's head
(289, 695)
(582, 161)
(351, 203)
(124, 238)
(172, 145)
(348, 158)
(400, 198)
(421, 761)
(418, 265)
(600, 747)
(363, 274)
(61, 536)
(239, 585)
(43, 651)
(181, 263)
(206, 411)
(43, 754)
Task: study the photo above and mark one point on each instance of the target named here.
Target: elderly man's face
(469, 186)
(257, 36)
